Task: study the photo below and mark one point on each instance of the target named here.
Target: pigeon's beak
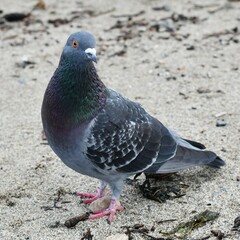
(91, 53)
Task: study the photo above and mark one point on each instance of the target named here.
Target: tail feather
(195, 144)
(187, 158)
(188, 154)
(216, 163)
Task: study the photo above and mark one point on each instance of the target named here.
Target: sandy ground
(184, 78)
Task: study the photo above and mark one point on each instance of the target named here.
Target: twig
(225, 6)
(167, 220)
(198, 6)
(129, 15)
(233, 31)
(90, 13)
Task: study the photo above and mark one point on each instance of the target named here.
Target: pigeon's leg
(114, 206)
(93, 196)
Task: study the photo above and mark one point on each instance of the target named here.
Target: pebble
(220, 123)
(101, 203)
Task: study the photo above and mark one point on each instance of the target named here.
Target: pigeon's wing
(124, 138)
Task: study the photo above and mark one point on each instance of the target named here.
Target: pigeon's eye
(74, 44)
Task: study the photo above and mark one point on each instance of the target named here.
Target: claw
(90, 196)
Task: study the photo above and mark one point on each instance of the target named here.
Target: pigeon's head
(80, 49)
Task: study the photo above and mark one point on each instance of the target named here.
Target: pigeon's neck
(74, 95)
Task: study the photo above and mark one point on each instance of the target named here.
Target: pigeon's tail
(216, 163)
(186, 154)
(187, 158)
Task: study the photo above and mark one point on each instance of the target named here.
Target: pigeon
(98, 132)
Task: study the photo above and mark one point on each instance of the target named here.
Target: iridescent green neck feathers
(74, 96)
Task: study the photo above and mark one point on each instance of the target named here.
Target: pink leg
(111, 210)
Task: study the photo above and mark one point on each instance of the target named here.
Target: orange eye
(74, 44)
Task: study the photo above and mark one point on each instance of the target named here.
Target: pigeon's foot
(111, 210)
(90, 196)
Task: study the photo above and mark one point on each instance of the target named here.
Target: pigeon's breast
(70, 146)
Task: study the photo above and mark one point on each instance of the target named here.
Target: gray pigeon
(100, 133)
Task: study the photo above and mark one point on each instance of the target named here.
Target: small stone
(25, 60)
(55, 224)
(223, 149)
(221, 123)
(10, 203)
(202, 90)
(190, 48)
(100, 204)
(164, 7)
(217, 233)
(168, 25)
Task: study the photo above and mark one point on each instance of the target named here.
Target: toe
(88, 195)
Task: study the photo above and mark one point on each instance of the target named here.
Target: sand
(184, 79)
